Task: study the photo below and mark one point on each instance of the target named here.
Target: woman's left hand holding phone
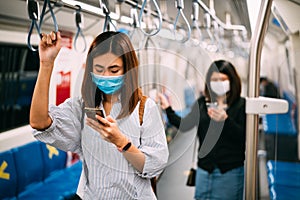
(109, 130)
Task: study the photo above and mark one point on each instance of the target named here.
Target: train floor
(171, 184)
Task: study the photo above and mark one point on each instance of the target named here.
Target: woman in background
(220, 119)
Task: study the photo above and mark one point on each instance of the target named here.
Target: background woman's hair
(224, 67)
(118, 44)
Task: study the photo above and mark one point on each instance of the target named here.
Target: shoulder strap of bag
(142, 108)
(141, 115)
(194, 150)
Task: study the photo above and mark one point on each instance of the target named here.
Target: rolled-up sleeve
(65, 130)
(153, 142)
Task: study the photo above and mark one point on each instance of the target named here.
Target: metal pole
(253, 91)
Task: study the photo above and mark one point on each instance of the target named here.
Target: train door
(272, 161)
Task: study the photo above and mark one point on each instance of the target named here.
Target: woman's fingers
(102, 121)
(51, 38)
(44, 38)
(58, 39)
(163, 101)
(217, 114)
(107, 128)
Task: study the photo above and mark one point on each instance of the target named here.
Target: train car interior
(175, 41)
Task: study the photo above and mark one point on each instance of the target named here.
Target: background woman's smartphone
(212, 105)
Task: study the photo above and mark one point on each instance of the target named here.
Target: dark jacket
(228, 151)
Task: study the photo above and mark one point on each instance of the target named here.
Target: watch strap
(125, 148)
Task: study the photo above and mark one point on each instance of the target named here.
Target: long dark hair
(118, 44)
(224, 67)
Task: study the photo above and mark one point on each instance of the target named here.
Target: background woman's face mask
(108, 84)
(220, 87)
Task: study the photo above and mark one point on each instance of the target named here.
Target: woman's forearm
(135, 157)
(49, 47)
(39, 118)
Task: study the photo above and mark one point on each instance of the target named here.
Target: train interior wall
(166, 65)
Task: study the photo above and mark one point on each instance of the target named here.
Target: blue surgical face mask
(108, 84)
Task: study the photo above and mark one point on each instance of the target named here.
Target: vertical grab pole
(253, 91)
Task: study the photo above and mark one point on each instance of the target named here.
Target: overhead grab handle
(79, 22)
(195, 18)
(47, 3)
(135, 23)
(107, 21)
(134, 16)
(33, 13)
(159, 17)
(180, 5)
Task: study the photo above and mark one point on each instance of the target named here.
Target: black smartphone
(91, 112)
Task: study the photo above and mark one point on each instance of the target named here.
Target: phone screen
(91, 112)
(212, 105)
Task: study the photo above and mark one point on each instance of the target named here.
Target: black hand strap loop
(79, 21)
(33, 13)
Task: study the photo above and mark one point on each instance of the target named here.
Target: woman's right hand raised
(49, 47)
(163, 101)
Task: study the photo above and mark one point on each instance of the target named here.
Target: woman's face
(219, 83)
(108, 65)
(216, 76)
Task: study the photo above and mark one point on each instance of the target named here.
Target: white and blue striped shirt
(106, 173)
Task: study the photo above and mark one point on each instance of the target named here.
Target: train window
(19, 68)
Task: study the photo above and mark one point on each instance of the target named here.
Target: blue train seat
(281, 133)
(37, 171)
(279, 192)
(29, 166)
(280, 124)
(284, 179)
(293, 110)
(67, 180)
(60, 183)
(53, 158)
(8, 178)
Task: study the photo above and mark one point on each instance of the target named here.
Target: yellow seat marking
(3, 174)
(52, 151)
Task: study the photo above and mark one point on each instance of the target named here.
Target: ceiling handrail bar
(98, 12)
(153, 13)
(222, 24)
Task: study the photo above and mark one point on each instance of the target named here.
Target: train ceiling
(14, 16)
(13, 13)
